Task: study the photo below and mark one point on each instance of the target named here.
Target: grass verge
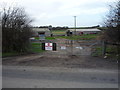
(7, 54)
(35, 48)
(111, 52)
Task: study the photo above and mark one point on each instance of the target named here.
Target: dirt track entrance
(71, 54)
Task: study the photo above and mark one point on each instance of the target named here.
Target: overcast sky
(61, 12)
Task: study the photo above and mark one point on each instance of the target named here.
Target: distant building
(84, 31)
(37, 31)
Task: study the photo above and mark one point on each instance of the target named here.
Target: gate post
(71, 46)
(43, 46)
(103, 48)
(54, 46)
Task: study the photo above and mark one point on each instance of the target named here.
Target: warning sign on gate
(63, 47)
(48, 46)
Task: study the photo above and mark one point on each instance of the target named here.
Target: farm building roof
(40, 29)
(94, 29)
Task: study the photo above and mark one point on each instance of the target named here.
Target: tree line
(54, 28)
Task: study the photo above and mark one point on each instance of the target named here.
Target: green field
(36, 48)
(82, 37)
(47, 38)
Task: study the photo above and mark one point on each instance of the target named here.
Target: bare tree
(16, 30)
(112, 24)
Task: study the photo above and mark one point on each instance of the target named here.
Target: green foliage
(37, 38)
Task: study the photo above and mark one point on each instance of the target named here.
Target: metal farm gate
(73, 47)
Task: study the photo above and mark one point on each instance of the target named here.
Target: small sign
(63, 47)
(48, 46)
(79, 47)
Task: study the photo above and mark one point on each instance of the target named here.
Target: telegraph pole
(75, 23)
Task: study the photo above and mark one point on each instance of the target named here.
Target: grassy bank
(7, 54)
(111, 52)
(35, 48)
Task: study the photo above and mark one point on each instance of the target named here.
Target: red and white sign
(48, 46)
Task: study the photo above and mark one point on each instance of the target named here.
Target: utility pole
(75, 24)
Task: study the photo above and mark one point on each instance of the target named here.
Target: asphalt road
(58, 77)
